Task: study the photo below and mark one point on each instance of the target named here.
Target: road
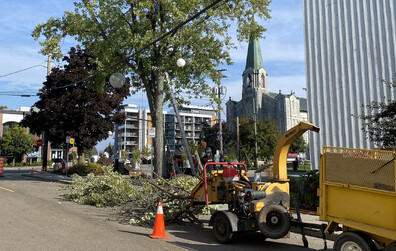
(35, 216)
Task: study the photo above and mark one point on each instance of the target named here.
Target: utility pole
(255, 134)
(45, 146)
(190, 159)
(220, 90)
(237, 130)
(220, 126)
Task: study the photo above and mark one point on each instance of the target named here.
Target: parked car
(292, 161)
(58, 164)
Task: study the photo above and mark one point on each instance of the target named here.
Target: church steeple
(254, 75)
(254, 58)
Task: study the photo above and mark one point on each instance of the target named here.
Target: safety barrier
(1, 166)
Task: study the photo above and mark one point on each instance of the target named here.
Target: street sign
(71, 141)
(152, 132)
(39, 142)
(68, 139)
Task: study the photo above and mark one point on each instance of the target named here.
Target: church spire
(254, 58)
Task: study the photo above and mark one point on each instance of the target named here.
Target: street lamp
(181, 62)
(117, 80)
(220, 90)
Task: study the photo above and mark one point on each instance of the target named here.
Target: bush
(105, 161)
(110, 189)
(83, 169)
(304, 189)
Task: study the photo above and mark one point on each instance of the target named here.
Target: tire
(274, 221)
(222, 229)
(391, 247)
(353, 241)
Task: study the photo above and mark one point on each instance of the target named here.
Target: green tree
(115, 30)
(15, 142)
(380, 123)
(298, 146)
(267, 138)
(81, 111)
(210, 136)
(109, 149)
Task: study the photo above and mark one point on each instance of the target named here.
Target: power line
(15, 72)
(174, 30)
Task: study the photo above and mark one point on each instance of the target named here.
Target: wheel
(350, 241)
(222, 229)
(274, 221)
(391, 247)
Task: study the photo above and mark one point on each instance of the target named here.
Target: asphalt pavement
(35, 173)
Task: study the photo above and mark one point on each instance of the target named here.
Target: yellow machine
(358, 191)
(252, 206)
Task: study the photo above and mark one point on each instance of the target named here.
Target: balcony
(127, 126)
(128, 134)
(128, 143)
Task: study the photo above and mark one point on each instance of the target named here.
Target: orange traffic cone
(32, 172)
(42, 171)
(159, 224)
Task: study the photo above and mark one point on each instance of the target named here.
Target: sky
(23, 68)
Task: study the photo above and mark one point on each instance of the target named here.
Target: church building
(286, 109)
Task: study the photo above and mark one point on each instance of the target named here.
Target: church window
(262, 79)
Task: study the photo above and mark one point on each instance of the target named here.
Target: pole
(115, 141)
(45, 146)
(190, 159)
(255, 134)
(237, 129)
(220, 126)
(67, 157)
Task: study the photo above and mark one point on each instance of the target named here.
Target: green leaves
(108, 190)
(379, 120)
(16, 141)
(267, 137)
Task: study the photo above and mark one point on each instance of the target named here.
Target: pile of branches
(137, 199)
(175, 195)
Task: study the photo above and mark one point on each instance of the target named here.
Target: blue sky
(282, 48)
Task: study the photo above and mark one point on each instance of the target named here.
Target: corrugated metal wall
(349, 49)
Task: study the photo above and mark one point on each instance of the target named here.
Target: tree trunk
(158, 119)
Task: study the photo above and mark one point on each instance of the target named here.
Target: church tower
(254, 81)
(254, 76)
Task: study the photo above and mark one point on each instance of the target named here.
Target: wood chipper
(357, 191)
(252, 206)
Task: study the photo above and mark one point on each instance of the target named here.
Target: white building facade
(134, 133)
(286, 109)
(349, 50)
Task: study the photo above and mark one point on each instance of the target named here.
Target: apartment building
(193, 119)
(134, 133)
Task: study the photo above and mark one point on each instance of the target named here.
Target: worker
(208, 157)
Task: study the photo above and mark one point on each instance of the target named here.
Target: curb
(52, 179)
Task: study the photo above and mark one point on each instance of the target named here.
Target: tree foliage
(210, 136)
(116, 29)
(81, 111)
(298, 146)
(380, 123)
(109, 149)
(267, 138)
(16, 141)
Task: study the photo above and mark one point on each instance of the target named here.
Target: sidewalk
(48, 176)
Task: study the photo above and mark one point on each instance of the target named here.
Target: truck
(357, 191)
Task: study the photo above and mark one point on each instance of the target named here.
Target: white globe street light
(181, 62)
(117, 80)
